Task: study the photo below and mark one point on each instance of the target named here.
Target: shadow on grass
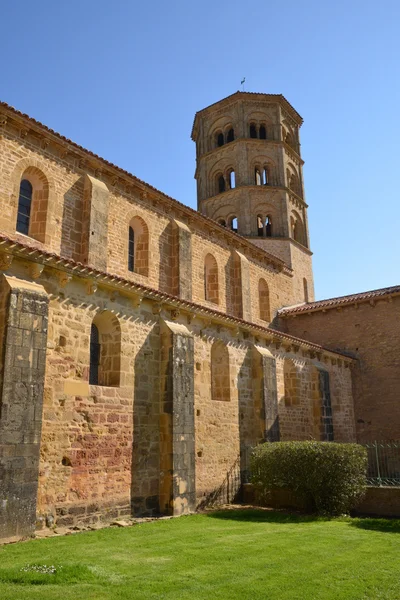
(254, 515)
(376, 524)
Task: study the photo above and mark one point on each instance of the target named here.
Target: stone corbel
(23, 133)
(278, 343)
(157, 308)
(35, 270)
(190, 316)
(5, 261)
(91, 287)
(3, 120)
(45, 143)
(175, 312)
(63, 278)
(136, 301)
(236, 332)
(115, 181)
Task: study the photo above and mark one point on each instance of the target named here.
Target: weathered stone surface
(21, 404)
(181, 394)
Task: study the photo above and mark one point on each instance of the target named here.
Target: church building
(146, 347)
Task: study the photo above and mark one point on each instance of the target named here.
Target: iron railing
(383, 463)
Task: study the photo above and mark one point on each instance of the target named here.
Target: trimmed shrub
(330, 478)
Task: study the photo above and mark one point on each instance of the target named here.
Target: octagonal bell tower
(249, 177)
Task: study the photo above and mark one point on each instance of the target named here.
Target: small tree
(329, 477)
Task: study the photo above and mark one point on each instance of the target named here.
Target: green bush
(328, 477)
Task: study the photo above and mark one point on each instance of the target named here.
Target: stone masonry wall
(23, 366)
(71, 187)
(372, 333)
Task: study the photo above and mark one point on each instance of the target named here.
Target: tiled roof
(30, 252)
(187, 209)
(280, 97)
(339, 301)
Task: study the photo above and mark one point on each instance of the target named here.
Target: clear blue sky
(124, 79)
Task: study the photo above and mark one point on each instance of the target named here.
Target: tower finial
(242, 83)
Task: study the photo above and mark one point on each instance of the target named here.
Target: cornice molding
(64, 270)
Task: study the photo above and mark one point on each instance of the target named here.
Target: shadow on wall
(167, 278)
(145, 467)
(229, 490)
(72, 222)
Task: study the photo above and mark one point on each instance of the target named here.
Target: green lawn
(243, 554)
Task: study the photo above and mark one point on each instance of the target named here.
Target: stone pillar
(183, 253)
(23, 331)
(245, 286)
(177, 489)
(146, 428)
(95, 223)
(264, 377)
(326, 408)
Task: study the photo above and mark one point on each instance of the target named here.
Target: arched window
(265, 178)
(221, 184)
(257, 176)
(24, 207)
(232, 179)
(220, 139)
(222, 222)
(138, 246)
(260, 226)
(268, 226)
(131, 250)
(305, 286)
(294, 184)
(32, 204)
(220, 377)
(253, 130)
(105, 350)
(297, 229)
(211, 289)
(231, 135)
(234, 224)
(263, 300)
(94, 355)
(263, 132)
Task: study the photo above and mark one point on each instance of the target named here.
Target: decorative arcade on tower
(249, 177)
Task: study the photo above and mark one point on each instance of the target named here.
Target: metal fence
(383, 463)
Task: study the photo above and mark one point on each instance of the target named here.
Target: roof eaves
(330, 303)
(34, 254)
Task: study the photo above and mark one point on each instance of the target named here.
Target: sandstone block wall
(24, 311)
(371, 332)
(87, 218)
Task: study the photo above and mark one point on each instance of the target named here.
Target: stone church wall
(186, 384)
(371, 332)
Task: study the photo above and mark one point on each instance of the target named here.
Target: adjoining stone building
(145, 346)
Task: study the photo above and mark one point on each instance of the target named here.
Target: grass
(236, 554)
